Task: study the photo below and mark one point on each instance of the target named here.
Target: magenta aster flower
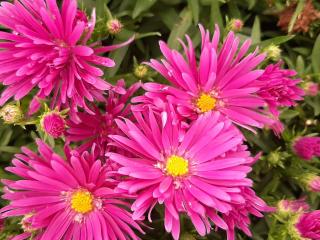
(47, 49)
(199, 171)
(61, 199)
(224, 80)
(278, 89)
(239, 215)
(307, 147)
(94, 129)
(308, 225)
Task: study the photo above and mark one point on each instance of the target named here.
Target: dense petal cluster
(224, 80)
(201, 171)
(278, 89)
(47, 50)
(307, 147)
(61, 199)
(94, 129)
(308, 225)
(53, 124)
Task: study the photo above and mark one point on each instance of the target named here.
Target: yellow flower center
(82, 201)
(206, 103)
(177, 166)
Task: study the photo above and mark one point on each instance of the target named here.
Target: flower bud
(293, 206)
(140, 71)
(53, 124)
(235, 25)
(313, 183)
(273, 52)
(114, 26)
(11, 113)
(311, 88)
(307, 147)
(26, 223)
(308, 225)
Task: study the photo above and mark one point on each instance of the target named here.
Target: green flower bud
(140, 71)
(11, 113)
(273, 52)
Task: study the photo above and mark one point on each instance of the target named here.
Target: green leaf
(234, 10)
(141, 6)
(295, 15)
(194, 6)
(276, 40)
(9, 149)
(6, 135)
(300, 66)
(216, 17)
(315, 56)
(180, 28)
(251, 3)
(256, 31)
(117, 56)
(314, 103)
(169, 17)
(289, 114)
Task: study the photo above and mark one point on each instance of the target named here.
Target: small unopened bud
(235, 25)
(292, 206)
(311, 88)
(307, 147)
(114, 26)
(141, 71)
(53, 124)
(273, 52)
(26, 223)
(311, 182)
(11, 113)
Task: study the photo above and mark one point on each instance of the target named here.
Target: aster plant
(201, 172)
(225, 79)
(48, 49)
(185, 134)
(66, 199)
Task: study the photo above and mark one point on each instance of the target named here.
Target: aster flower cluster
(178, 147)
(300, 222)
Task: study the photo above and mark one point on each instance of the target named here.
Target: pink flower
(314, 184)
(66, 199)
(94, 129)
(47, 50)
(308, 225)
(311, 88)
(200, 171)
(293, 205)
(307, 147)
(239, 215)
(53, 124)
(278, 89)
(277, 127)
(224, 80)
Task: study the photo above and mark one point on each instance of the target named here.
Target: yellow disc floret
(82, 201)
(177, 166)
(206, 103)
